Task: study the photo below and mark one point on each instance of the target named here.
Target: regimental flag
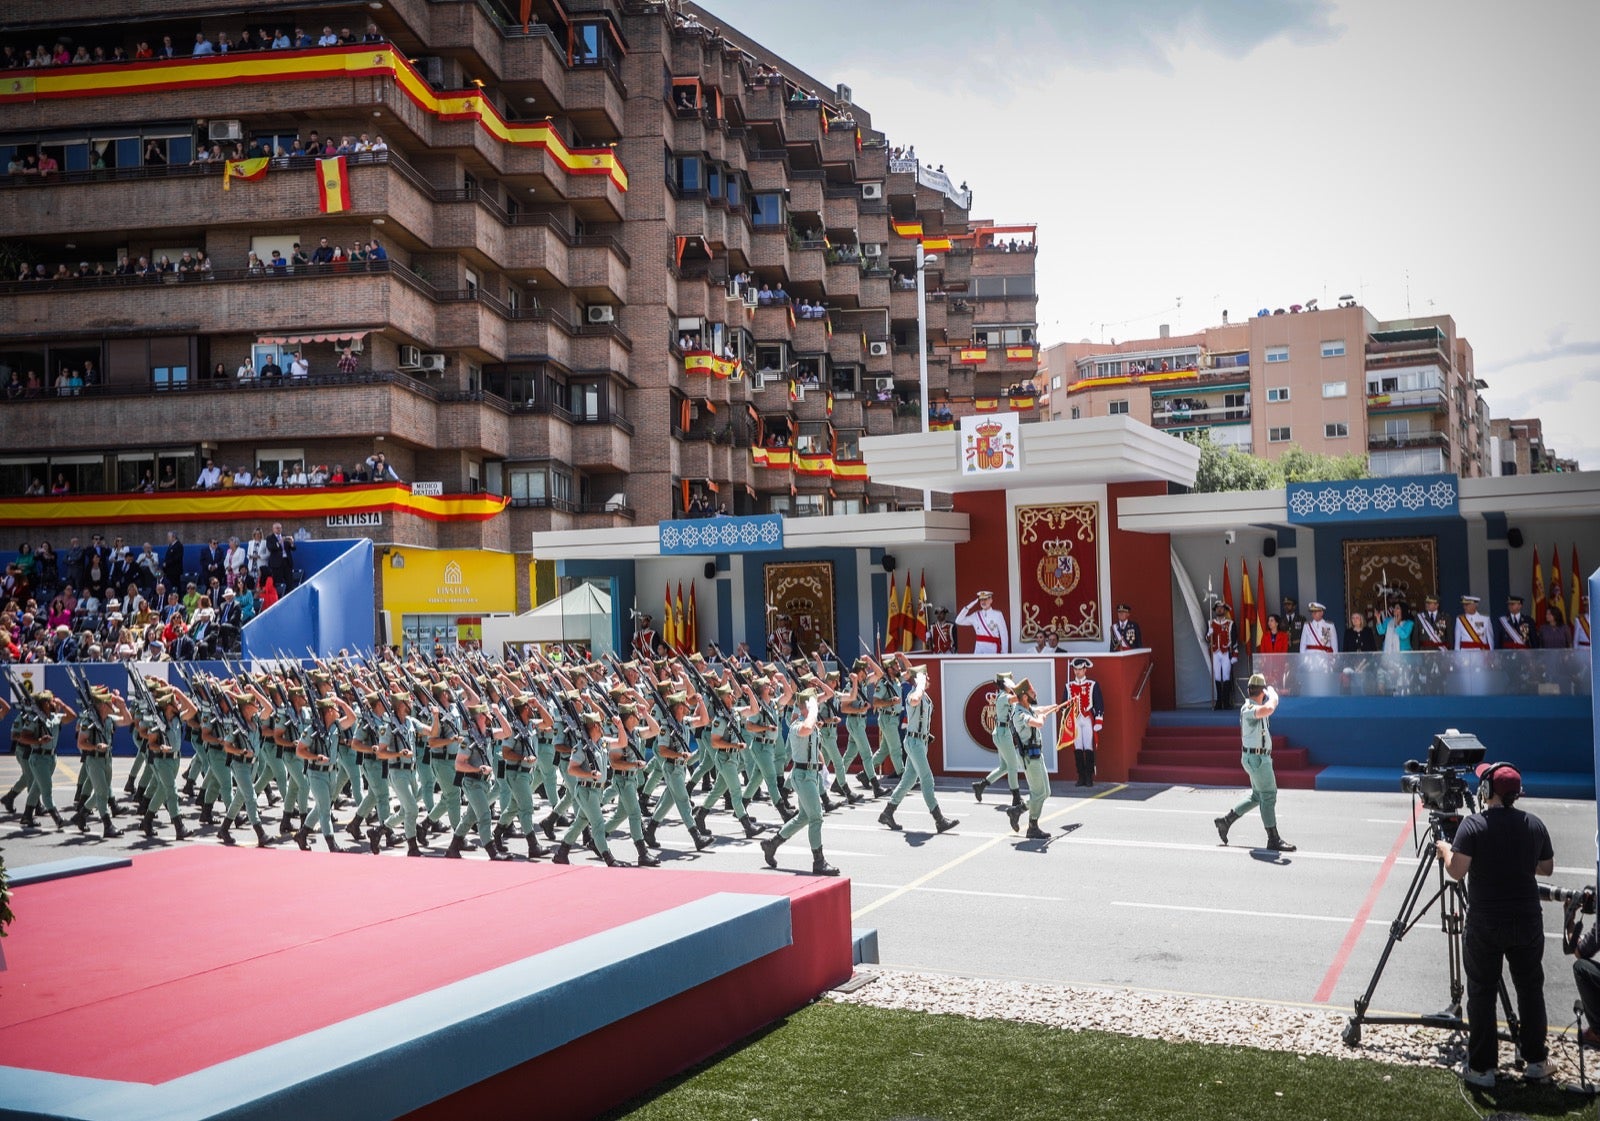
(1557, 600)
(680, 625)
(920, 626)
(908, 624)
(986, 404)
(1261, 603)
(694, 621)
(1536, 601)
(1019, 354)
(333, 185)
(891, 628)
(1247, 618)
(1577, 589)
(1024, 400)
(669, 632)
(972, 355)
(248, 170)
(936, 244)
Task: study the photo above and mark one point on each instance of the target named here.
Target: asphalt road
(1132, 890)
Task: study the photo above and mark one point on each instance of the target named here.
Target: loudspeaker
(1514, 537)
(888, 562)
(1269, 547)
(711, 570)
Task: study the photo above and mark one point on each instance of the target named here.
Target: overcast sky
(1182, 157)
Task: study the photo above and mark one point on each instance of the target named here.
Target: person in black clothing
(1504, 848)
(172, 561)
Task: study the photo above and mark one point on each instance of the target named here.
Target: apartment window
(1397, 429)
(689, 174)
(999, 287)
(1331, 348)
(1336, 430)
(766, 209)
(585, 400)
(1117, 408)
(810, 505)
(1277, 394)
(539, 485)
(281, 461)
(1278, 435)
(1335, 388)
(1235, 405)
(472, 283)
(1277, 354)
(1055, 382)
(1076, 413)
(169, 377)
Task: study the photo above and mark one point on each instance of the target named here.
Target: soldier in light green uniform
(805, 759)
(442, 762)
(889, 705)
(41, 732)
(22, 750)
(919, 720)
(370, 729)
(761, 736)
(1004, 744)
(165, 744)
(854, 706)
(727, 743)
(318, 745)
(519, 757)
(405, 742)
(95, 730)
(475, 766)
(627, 771)
(675, 752)
(1027, 723)
(588, 766)
(243, 742)
(1261, 701)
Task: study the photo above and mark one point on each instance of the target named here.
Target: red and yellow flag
(1024, 401)
(1246, 619)
(794, 391)
(829, 402)
(936, 244)
(986, 404)
(1261, 603)
(1536, 602)
(693, 625)
(907, 618)
(891, 630)
(669, 633)
(333, 185)
(972, 355)
(1557, 600)
(248, 170)
(919, 626)
(1019, 354)
(1577, 590)
(680, 624)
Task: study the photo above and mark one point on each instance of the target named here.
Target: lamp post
(923, 261)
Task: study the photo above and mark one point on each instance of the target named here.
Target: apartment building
(633, 263)
(1334, 381)
(1519, 448)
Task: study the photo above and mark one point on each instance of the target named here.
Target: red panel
(983, 560)
(1141, 576)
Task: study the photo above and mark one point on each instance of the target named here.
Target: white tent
(580, 615)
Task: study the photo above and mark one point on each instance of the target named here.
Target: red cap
(1507, 779)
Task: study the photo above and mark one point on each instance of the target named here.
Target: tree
(1224, 468)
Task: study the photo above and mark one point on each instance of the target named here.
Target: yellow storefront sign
(444, 581)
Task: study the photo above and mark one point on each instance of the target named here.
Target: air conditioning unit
(601, 313)
(355, 346)
(844, 94)
(878, 350)
(872, 190)
(410, 358)
(752, 298)
(433, 363)
(882, 385)
(872, 249)
(225, 130)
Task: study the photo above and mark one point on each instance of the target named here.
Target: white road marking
(960, 891)
(1276, 915)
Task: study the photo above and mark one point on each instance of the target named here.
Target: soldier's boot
(9, 801)
(702, 839)
(354, 829)
(188, 788)
(548, 825)
(27, 818)
(700, 815)
(587, 840)
(1016, 795)
(412, 848)
(878, 789)
(390, 838)
(178, 828)
(645, 859)
(564, 820)
(108, 828)
(225, 835)
(769, 849)
(80, 818)
(147, 826)
(943, 824)
(500, 832)
(785, 811)
(333, 846)
(828, 804)
(497, 852)
(1277, 843)
(374, 840)
(272, 799)
(1015, 814)
(457, 846)
(646, 803)
(1222, 823)
(979, 787)
(127, 787)
(302, 837)
(535, 850)
(1034, 832)
(205, 815)
(820, 866)
(650, 828)
(286, 826)
(1088, 758)
(887, 817)
(727, 800)
(261, 836)
(611, 860)
(752, 827)
(562, 854)
(55, 816)
(843, 789)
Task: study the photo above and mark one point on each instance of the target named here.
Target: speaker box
(888, 562)
(711, 570)
(1269, 547)
(1514, 537)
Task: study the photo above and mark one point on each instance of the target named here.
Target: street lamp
(924, 260)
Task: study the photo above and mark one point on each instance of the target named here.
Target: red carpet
(195, 956)
(1207, 755)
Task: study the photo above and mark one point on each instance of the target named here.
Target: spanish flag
(972, 355)
(1019, 354)
(250, 170)
(794, 391)
(936, 244)
(333, 185)
(979, 404)
(829, 402)
(1024, 401)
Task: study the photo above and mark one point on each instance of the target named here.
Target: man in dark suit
(280, 557)
(172, 560)
(213, 560)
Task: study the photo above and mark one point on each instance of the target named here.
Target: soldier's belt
(1258, 751)
(808, 766)
(589, 783)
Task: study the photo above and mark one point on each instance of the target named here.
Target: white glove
(811, 711)
(922, 682)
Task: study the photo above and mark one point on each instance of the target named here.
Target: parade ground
(1132, 891)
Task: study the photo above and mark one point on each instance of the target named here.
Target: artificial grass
(845, 1062)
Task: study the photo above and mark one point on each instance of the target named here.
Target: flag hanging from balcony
(249, 170)
(333, 185)
(1575, 608)
(1019, 354)
(972, 355)
(829, 402)
(1024, 401)
(986, 404)
(936, 244)
(794, 391)
(791, 317)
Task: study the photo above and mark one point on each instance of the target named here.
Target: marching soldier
(441, 761)
(588, 767)
(242, 742)
(762, 731)
(364, 741)
(317, 743)
(989, 634)
(1219, 641)
(1088, 716)
(403, 745)
(1004, 743)
(675, 753)
(727, 742)
(942, 633)
(1294, 623)
(1260, 703)
(1026, 722)
(1125, 632)
(40, 730)
(627, 768)
(805, 760)
(919, 721)
(519, 757)
(27, 716)
(475, 767)
(164, 742)
(95, 731)
(889, 706)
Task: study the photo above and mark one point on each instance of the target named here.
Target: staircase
(1208, 755)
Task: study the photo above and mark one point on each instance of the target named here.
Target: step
(1203, 732)
(1290, 759)
(1217, 776)
(1204, 743)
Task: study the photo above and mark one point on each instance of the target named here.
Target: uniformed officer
(317, 743)
(1088, 716)
(441, 761)
(1434, 629)
(41, 731)
(942, 634)
(989, 634)
(919, 721)
(22, 750)
(1009, 764)
(165, 743)
(1219, 641)
(888, 703)
(1125, 632)
(1318, 637)
(1260, 703)
(805, 761)
(1294, 623)
(1026, 722)
(727, 742)
(762, 731)
(475, 767)
(519, 756)
(1515, 630)
(588, 767)
(780, 643)
(1472, 627)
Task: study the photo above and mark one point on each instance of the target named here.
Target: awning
(320, 337)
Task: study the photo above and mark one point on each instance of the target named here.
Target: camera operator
(1586, 972)
(1504, 848)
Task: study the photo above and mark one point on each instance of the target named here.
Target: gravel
(1187, 1019)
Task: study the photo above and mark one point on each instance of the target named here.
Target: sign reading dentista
(449, 580)
(434, 490)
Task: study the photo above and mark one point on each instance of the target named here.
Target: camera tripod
(1452, 898)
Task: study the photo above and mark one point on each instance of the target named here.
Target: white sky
(1242, 154)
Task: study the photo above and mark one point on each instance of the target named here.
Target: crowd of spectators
(214, 476)
(67, 53)
(114, 602)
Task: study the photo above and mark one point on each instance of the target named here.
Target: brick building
(579, 219)
(1519, 448)
(1333, 381)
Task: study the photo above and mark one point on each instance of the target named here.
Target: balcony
(1177, 419)
(603, 444)
(769, 249)
(1378, 441)
(1431, 400)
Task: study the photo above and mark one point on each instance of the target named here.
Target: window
(1076, 413)
(472, 282)
(1055, 382)
(585, 400)
(1235, 405)
(1278, 435)
(1277, 394)
(542, 484)
(766, 209)
(1397, 429)
(1331, 348)
(1335, 388)
(1336, 430)
(1117, 408)
(810, 505)
(999, 287)
(169, 377)
(1000, 335)
(279, 461)
(689, 174)
(1277, 354)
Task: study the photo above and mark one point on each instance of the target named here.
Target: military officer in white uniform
(989, 634)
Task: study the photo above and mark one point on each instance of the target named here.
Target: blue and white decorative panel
(698, 536)
(1401, 498)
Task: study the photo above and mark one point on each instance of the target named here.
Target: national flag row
(333, 179)
(906, 627)
(1250, 623)
(680, 620)
(1569, 605)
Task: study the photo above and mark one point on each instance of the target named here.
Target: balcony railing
(1433, 399)
(275, 385)
(1378, 441)
(1430, 673)
(933, 180)
(1197, 418)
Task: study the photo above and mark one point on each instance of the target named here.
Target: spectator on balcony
(210, 477)
(347, 363)
(376, 251)
(280, 40)
(32, 386)
(779, 296)
(271, 372)
(252, 265)
(202, 45)
(278, 265)
(167, 49)
(60, 486)
(319, 475)
(146, 484)
(298, 257)
(169, 479)
(379, 144)
(299, 368)
(203, 269)
(328, 39)
(355, 258)
(765, 295)
(246, 372)
(14, 387)
(372, 34)
(247, 42)
(223, 46)
(322, 254)
(82, 57)
(243, 478)
(380, 469)
(295, 476)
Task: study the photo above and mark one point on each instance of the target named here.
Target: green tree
(1224, 468)
(1297, 465)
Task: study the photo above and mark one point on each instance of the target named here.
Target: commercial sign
(354, 521)
(450, 581)
(433, 489)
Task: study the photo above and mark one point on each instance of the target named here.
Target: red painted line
(1359, 923)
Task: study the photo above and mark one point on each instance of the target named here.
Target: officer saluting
(1125, 633)
(989, 634)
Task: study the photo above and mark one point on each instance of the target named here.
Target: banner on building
(967, 692)
(804, 592)
(333, 185)
(1058, 571)
(991, 445)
